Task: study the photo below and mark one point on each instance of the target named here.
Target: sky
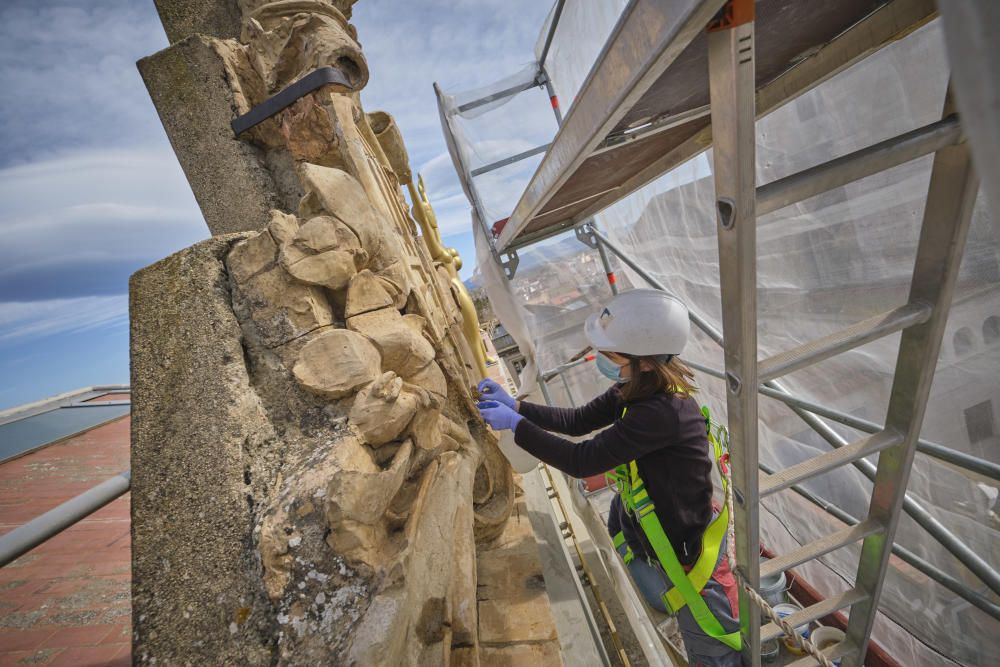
(90, 190)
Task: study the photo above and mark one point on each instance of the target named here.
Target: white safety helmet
(641, 322)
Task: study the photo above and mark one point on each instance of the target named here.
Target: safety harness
(687, 586)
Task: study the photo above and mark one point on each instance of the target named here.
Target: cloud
(30, 320)
(90, 190)
(81, 223)
(69, 77)
(462, 46)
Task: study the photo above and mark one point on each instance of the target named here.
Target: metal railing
(24, 538)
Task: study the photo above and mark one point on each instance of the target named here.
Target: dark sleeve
(575, 421)
(646, 427)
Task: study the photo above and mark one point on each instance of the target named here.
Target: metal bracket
(508, 262)
(290, 95)
(585, 235)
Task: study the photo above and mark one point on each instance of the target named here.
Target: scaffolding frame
(736, 103)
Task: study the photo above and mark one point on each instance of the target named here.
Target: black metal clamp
(288, 96)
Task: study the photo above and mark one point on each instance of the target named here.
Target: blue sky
(90, 190)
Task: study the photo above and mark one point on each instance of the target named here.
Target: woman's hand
(498, 415)
(492, 391)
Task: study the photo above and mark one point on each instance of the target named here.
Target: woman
(662, 517)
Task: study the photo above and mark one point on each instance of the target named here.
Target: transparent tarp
(823, 264)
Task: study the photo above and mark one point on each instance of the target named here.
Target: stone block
(432, 379)
(193, 414)
(335, 192)
(367, 292)
(521, 655)
(404, 349)
(513, 603)
(464, 605)
(188, 85)
(253, 256)
(283, 227)
(465, 656)
(504, 621)
(323, 252)
(383, 409)
(281, 308)
(215, 18)
(337, 363)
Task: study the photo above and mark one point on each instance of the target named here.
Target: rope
(800, 642)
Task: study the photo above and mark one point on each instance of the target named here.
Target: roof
(67, 601)
(26, 428)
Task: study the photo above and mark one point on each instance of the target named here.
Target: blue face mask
(609, 369)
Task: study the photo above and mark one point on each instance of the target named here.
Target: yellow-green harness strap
(687, 585)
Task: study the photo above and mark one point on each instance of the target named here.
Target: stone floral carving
(342, 300)
(326, 376)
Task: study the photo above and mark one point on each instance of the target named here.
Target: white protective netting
(822, 265)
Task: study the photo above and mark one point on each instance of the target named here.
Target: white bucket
(784, 610)
(825, 636)
(520, 460)
(773, 588)
(769, 651)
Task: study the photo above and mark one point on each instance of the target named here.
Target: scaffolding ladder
(950, 200)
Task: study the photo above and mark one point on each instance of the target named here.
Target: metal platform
(644, 108)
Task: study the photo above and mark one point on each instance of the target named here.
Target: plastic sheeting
(823, 264)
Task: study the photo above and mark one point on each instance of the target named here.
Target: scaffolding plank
(650, 35)
(572, 183)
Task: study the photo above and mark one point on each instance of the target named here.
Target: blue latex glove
(492, 391)
(498, 415)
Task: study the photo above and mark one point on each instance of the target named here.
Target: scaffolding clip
(585, 235)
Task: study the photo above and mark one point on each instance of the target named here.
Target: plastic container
(769, 651)
(784, 610)
(520, 460)
(825, 637)
(773, 588)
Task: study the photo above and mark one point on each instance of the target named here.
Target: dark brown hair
(671, 376)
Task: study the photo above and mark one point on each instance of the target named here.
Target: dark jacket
(665, 434)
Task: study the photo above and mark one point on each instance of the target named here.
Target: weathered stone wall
(310, 476)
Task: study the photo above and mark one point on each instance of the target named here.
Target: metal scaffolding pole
(990, 472)
(951, 583)
(857, 165)
(732, 94)
(775, 389)
(556, 15)
(493, 166)
(921, 320)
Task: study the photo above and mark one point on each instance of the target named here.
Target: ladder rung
(857, 165)
(817, 548)
(814, 612)
(838, 650)
(827, 461)
(863, 332)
